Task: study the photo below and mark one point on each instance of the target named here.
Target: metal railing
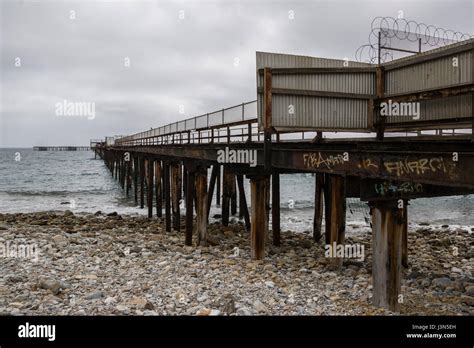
(234, 115)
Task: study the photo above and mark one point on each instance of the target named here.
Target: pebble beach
(98, 264)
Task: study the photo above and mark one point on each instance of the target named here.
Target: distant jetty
(61, 148)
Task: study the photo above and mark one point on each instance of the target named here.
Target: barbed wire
(400, 29)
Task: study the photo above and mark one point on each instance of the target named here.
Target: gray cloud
(174, 62)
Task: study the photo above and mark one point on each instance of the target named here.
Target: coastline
(93, 264)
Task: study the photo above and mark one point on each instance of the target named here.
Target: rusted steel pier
(181, 166)
(61, 148)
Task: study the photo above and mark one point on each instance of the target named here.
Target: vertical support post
(135, 178)
(267, 117)
(218, 184)
(405, 234)
(233, 196)
(327, 208)
(129, 175)
(201, 198)
(267, 198)
(166, 180)
(338, 218)
(176, 193)
(189, 205)
(387, 227)
(380, 91)
(244, 211)
(212, 184)
(185, 181)
(158, 189)
(258, 226)
(276, 208)
(227, 179)
(150, 189)
(318, 206)
(142, 182)
(123, 170)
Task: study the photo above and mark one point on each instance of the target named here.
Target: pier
(61, 148)
(210, 156)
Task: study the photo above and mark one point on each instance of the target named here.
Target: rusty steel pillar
(212, 184)
(201, 203)
(226, 185)
(129, 176)
(185, 181)
(158, 189)
(327, 208)
(176, 193)
(166, 183)
(149, 191)
(405, 234)
(276, 208)
(190, 177)
(218, 184)
(142, 182)
(243, 208)
(338, 217)
(387, 230)
(318, 206)
(259, 224)
(233, 195)
(135, 178)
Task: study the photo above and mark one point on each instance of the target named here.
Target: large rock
(441, 282)
(259, 306)
(470, 290)
(95, 295)
(49, 284)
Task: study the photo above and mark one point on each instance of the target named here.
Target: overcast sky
(174, 61)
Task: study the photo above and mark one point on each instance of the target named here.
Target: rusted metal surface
(176, 194)
(166, 180)
(376, 189)
(150, 188)
(243, 201)
(189, 205)
(276, 208)
(387, 229)
(158, 189)
(337, 225)
(201, 200)
(318, 206)
(430, 168)
(259, 225)
(227, 181)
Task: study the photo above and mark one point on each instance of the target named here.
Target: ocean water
(32, 181)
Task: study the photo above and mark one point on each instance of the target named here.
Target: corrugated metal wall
(402, 76)
(431, 74)
(316, 112)
(439, 109)
(319, 112)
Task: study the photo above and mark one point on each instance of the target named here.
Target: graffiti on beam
(366, 163)
(417, 167)
(388, 188)
(320, 160)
